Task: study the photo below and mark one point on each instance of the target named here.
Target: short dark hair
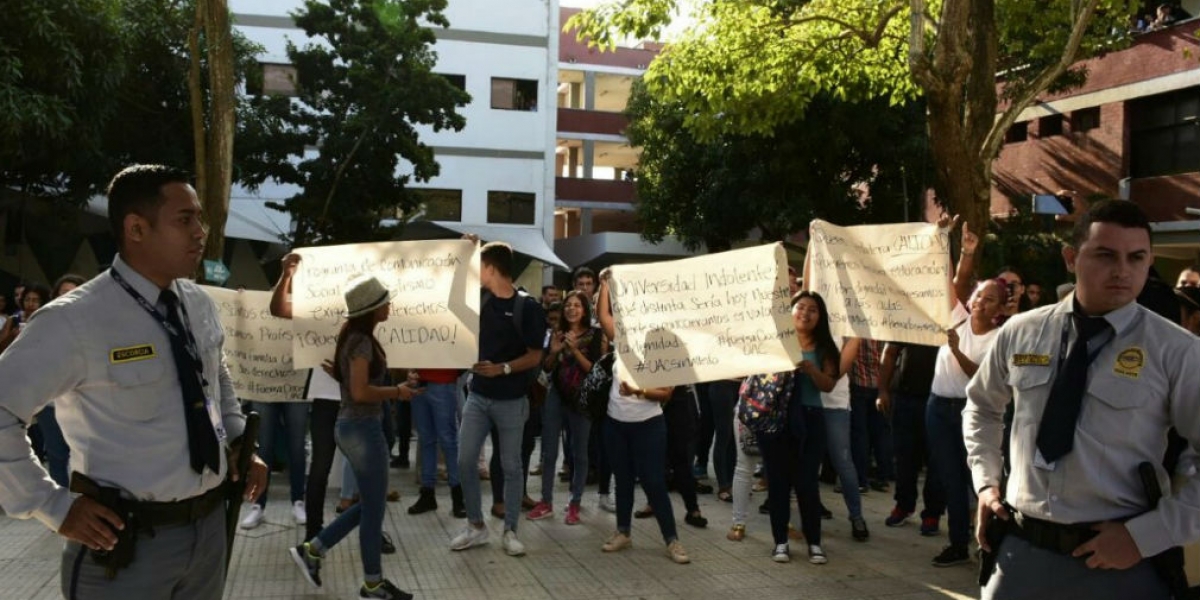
(78, 280)
(499, 255)
(582, 272)
(1118, 212)
(137, 189)
(548, 287)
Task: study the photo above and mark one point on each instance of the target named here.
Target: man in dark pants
(905, 377)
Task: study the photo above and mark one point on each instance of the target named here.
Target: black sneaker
(696, 520)
(826, 514)
(952, 555)
(400, 462)
(858, 527)
(386, 546)
(704, 488)
(764, 508)
(309, 563)
(384, 589)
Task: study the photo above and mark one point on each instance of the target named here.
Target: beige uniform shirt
(107, 365)
(1144, 380)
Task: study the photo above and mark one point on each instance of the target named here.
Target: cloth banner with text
(883, 282)
(434, 322)
(711, 317)
(258, 347)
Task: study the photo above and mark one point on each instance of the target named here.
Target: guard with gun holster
(1095, 382)
(133, 362)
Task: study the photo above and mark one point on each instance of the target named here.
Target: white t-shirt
(627, 409)
(839, 396)
(949, 380)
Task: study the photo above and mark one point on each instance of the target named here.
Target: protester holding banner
(635, 435)
(574, 346)
(360, 367)
(510, 349)
(974, 330)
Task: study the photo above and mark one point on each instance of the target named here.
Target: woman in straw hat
(360, 367)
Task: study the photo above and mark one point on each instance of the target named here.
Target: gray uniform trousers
(1026, 572)
(183, 562)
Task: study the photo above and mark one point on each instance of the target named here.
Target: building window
(514, 94)
(458, 81)
(276, 80)
(1085, 119)
(440, 205)
(514, 208)
(1050, 125)
(1019, 132)
(1164, 140)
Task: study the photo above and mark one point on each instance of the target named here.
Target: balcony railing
(594, 190)
(591, 121)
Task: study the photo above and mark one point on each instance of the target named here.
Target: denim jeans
(705, 431)
(363, 443)
(554, 414)
(323, 421)
(292, 419)
(837, 432)
(56, 449)
(794, 463)
(948, 454)
(639, 449)
(434, 414)
(479, 415)
(529, 433)
(722, 397)
(870, 434)
(912, 451)
(743, 478)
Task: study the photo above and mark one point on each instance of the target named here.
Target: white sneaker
(606, 503)
(254, 518)
(512, 546)
(298, 513)
(469, 537)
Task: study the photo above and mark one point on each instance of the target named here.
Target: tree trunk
(222, 99)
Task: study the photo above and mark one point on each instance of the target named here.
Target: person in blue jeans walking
(292, 419)
(360, 367)
(436, 416)
(510, 350)
(905, 376)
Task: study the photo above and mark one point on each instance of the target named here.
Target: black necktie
(202, 440)
(1056, 435)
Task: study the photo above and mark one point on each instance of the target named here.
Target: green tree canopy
(360, 95)
(747, 66)
(715, 191)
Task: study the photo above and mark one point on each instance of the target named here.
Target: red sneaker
(572, 514)
(541, 510)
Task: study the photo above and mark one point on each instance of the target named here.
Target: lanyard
(1091, 356)
(189, 340)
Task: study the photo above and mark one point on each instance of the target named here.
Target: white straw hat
(364, 295)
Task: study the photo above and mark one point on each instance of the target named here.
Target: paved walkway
(562, 562)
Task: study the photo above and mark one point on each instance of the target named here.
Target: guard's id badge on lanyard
(214, 415)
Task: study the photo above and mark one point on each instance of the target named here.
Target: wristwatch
(507, 369)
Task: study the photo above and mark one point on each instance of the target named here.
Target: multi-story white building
(497, 174)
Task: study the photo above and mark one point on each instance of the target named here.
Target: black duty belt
(1055, 537)
(179, 512)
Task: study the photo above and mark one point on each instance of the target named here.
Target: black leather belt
(179, 512)
(1055, 537)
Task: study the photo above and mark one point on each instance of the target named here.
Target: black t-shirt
(914, 369)
(501, 342)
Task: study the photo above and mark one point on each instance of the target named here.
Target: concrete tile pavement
(563, 562)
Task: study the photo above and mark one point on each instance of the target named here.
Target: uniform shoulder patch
(1031, 360)
(130, 354)
(1130, 362)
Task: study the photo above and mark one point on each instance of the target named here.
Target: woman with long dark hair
(360, 367)
(574, 346)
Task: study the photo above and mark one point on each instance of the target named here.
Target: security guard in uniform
(133, 361)
(1096, 381)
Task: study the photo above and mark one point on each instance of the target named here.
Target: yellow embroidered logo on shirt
(1031, 360)
(131, 354)
(1130, 362)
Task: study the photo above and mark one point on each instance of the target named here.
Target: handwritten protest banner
(434, 321)
(883, 282)
(258, 347)
(699, 319)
